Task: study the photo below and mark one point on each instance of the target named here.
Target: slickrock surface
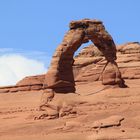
(99, 113)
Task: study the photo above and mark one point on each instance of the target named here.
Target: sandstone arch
(60, 75)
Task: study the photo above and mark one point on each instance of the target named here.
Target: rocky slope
(88, 66)
(100, 114)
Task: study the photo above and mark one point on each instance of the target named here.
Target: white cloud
(14, 67)
(4, 50)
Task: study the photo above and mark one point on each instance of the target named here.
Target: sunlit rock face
(89, 62)
(60, 75)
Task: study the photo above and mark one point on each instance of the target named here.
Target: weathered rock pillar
(60, 74)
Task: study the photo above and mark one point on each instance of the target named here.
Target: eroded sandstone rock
(108, 122)
(51, 109)
(61, 69)
(32, 80)
(88, 68)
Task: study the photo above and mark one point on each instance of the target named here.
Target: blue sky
(34, 28)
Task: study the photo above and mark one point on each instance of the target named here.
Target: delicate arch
(60, 74)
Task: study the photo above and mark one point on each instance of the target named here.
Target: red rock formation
(129, 60)
(60, 76)
(29, 83)
(32, 80)
(89, 63)
(87, 67)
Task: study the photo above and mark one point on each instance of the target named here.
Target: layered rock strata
(30, 83)
(90, 62)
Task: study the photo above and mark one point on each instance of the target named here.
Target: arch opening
(60, 76)
(82, 47)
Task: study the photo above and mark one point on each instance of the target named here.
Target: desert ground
(102, 113)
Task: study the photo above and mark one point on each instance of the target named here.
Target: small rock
(108, 122)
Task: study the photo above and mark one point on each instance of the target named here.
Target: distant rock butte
(87, 67)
